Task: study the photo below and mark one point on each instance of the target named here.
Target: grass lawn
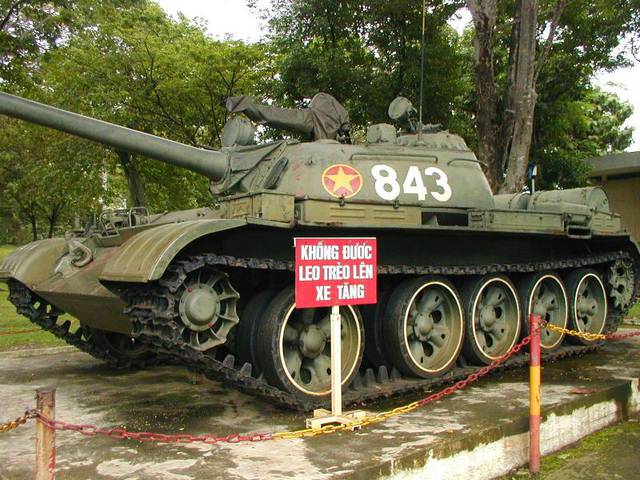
(10, 321)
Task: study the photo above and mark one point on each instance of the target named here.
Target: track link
(153, 315)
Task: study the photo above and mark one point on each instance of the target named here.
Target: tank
(460, 270)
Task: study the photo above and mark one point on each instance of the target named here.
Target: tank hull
(93, 294)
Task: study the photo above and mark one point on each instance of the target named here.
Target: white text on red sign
(335, 271)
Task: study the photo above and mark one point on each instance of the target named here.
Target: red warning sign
(335, 271)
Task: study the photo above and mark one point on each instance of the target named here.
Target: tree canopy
(128, 62)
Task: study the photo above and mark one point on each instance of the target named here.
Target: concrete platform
(479, 433)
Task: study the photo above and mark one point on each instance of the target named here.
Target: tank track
(151, 311)
(46, 318)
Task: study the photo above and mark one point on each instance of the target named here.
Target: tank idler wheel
(424, 326)
(373, 316)
(493, 318)
(207, 308)
(246, 333)
(588, 304)
(544, 294)
(294, 346)
(621, 281)
(119, 346)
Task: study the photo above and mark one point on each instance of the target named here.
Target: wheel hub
(312, 341)
(488, 318)
(199, 307)
(539, 308)
(587, 306)
(423, 326)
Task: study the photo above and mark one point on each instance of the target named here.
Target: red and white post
(534, 395)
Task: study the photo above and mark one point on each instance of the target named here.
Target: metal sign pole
(322, 417)
(336, 362)
(333, 273)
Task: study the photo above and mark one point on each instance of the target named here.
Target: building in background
(619, 175)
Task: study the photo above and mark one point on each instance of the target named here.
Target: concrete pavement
(480, 432)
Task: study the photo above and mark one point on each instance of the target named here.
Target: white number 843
(388, 188)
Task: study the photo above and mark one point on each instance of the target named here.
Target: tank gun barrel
(210, 163)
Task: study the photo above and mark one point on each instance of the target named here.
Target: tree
(573, 130)
(31, 28)
(584, 32)
(365, 53)
(128, 63)
(145, 71)
(47, 179)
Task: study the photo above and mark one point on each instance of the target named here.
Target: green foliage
(130, 64)
(30, 29)
(570, 131)
(365, 53)
(147, 72)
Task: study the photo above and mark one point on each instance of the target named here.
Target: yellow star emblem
(342, 179)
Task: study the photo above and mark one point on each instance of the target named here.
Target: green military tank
(460, 269)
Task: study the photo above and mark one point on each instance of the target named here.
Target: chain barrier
(28, 415)
(209, 439)
(382, 416)
(591, 336)
(121, 433)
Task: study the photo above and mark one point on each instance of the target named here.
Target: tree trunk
(509, 112)
(505, 140)
(53, 218)
(136, 189)
(34, 227)
(484, 16)
(524, 95)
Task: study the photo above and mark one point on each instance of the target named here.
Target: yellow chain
(7, 427)
(576, 333)
(363, 422)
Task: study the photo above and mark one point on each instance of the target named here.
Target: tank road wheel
(246, 333)
(493, 318)
(375, 346)
(544, 294)
(424, 326)
(207, 308)
(621, 281)
(588, 304)
(295, 346)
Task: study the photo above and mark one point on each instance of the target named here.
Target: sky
(233, 18)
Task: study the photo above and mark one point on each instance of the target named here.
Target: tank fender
(34, 262)
(145, 257)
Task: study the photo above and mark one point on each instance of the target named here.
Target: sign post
(336, 363)
(335, 272)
